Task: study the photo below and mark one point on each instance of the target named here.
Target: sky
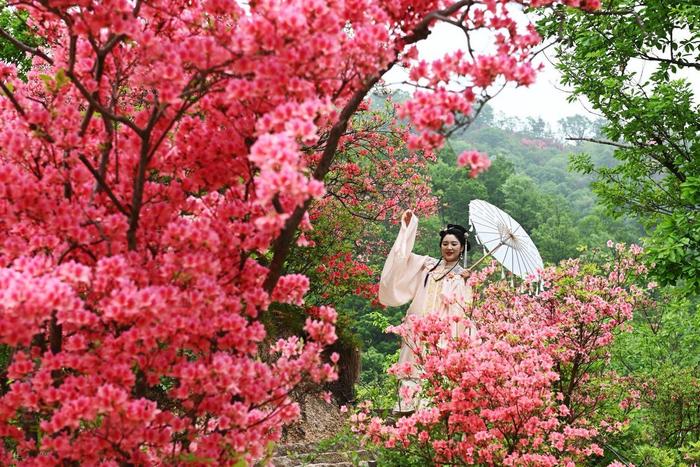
(546, 98)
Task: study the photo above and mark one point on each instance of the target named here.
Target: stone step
(292, 458)
(321, 458)
(333, 464)
(296, 448)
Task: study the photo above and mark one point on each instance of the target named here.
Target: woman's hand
(465, 274)
(407, 216)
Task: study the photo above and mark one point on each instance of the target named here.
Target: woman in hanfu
(436, 286)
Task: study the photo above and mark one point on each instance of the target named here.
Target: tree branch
(12, 98)
(673, 61)
(103, 185)
(92, 100)
(24, 47)
(137, 196)
(284, 241)
(349, 210)
(601, 141)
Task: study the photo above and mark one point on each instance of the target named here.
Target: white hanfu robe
(403, 280)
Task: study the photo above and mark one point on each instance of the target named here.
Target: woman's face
(450, 248)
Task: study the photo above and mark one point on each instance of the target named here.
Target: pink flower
(291, 289)
(477, 161)
(590, 4)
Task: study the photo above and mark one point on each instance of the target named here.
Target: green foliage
(665, 333)
(597, 228)
(579, 128)
(529, 179)
(660, 359)
(453, 189)
(525, 202)
(380, 351)
(344, 441)
(645, 455)
(653, 118)
(672, 407)
(399, 458)
(691, 453)
(557, 237)
(674, 247)
(15, 23)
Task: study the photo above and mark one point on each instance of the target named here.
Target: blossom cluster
(526, 389)
(478, 162)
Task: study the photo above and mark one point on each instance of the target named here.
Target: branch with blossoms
(374, 177)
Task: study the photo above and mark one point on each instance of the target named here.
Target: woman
(431, 285)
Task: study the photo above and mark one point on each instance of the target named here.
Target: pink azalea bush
(155, 169)
(530, 387)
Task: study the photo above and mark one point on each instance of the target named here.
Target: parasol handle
(486, 256)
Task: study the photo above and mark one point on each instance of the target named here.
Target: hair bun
(457, 227)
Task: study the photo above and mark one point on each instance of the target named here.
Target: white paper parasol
(504, 239)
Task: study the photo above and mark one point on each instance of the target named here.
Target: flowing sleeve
(402, 270)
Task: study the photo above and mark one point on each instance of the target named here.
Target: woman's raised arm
(402, 269)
